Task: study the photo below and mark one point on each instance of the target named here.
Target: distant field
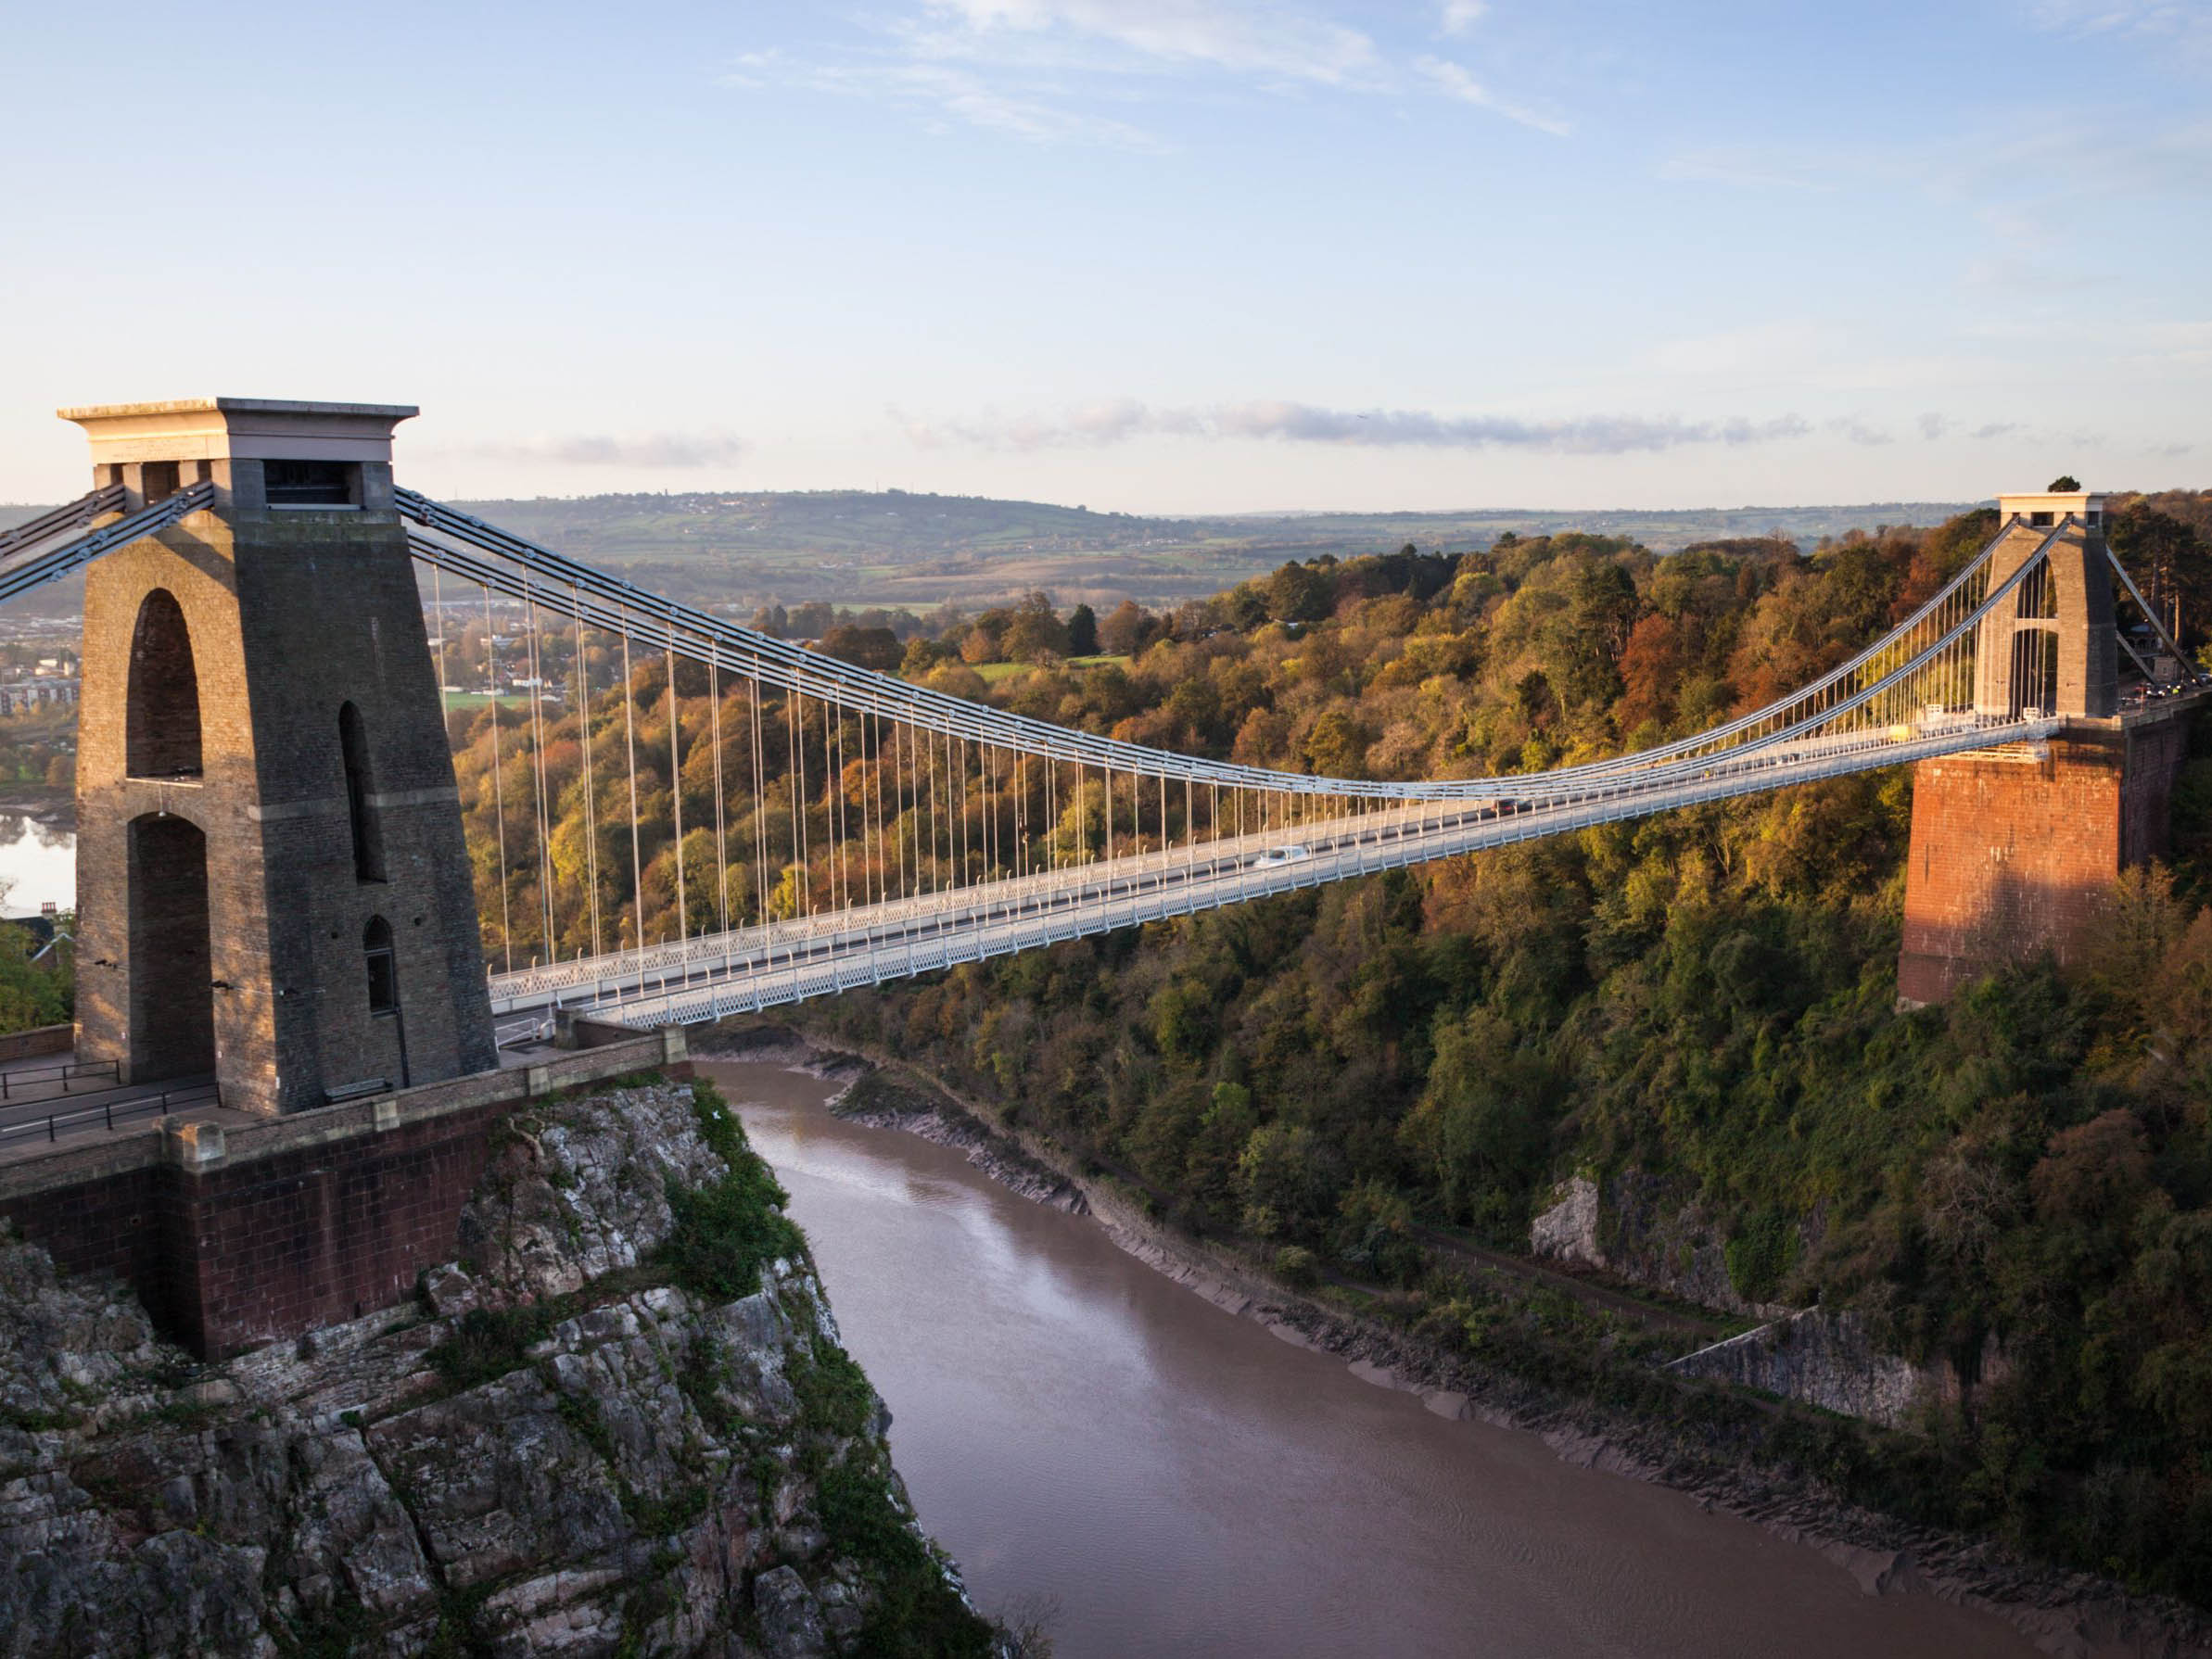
(742, 550)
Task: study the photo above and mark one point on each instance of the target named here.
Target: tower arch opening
(360, 806)
(171, 961)
(162, 729)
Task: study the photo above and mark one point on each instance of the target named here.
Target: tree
(1035, 633)
(2167, 558)
(874, 648)
(1650, 672)
(921, 655)
(1083, 632)
(1285, 1179)
(2065, 484)
(1299, 593)
(1124, 632)
(1337, 747)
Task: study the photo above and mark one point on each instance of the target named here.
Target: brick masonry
(2014, 856)
(237, 1239)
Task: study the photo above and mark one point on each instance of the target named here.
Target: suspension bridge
(847, 826)
(389, 820)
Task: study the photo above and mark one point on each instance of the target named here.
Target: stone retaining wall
(38, 1040)
(238, 1236)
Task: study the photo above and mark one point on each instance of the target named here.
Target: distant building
(24, 694)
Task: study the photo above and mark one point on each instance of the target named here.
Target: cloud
(1104, 423)
(1243, 39)
(966, 96)
(1043, 69)
(1859, 432)
(1455, 83)
(2183, 26)
(666, 450)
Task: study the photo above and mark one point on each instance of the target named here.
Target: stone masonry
(290, 610)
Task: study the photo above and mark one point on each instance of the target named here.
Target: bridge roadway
(750, 968)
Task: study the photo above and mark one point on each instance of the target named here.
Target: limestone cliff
(621, 1422)
(1638, 1230)
(1822, 1356)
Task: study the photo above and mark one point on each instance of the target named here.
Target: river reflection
(38, 865)
(1076, 1427)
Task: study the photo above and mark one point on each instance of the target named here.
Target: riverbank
(1735, 1455)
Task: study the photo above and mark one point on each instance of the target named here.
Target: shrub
(726, 1232)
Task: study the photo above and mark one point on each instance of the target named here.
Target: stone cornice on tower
(247, 428)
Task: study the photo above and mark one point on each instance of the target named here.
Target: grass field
(992, 673)
(478, 699)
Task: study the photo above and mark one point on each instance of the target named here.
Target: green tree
(1299, 593)
(1083, 632)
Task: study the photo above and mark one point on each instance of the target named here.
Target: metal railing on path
(123, 1106)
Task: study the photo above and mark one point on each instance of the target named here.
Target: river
(1075, 1427)
(38, 865)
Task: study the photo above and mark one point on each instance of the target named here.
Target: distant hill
(865, 547)
(896, 548)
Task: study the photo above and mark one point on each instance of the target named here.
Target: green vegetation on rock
(725, 1233)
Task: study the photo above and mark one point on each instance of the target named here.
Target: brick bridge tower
(2014, 850)
(271, 881)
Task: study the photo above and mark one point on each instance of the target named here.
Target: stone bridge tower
(271, 881)
(2014, 850)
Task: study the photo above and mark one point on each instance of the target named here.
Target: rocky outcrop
(581, 1444)
(1567, 1231)
(1637, 1230)
(1827, 1359)
(1822, 1358)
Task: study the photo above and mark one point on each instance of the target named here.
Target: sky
(1154, 256)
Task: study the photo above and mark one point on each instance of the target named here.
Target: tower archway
(171, 1025)
(161, 719)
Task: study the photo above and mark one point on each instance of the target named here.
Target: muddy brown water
(1178, 1481)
